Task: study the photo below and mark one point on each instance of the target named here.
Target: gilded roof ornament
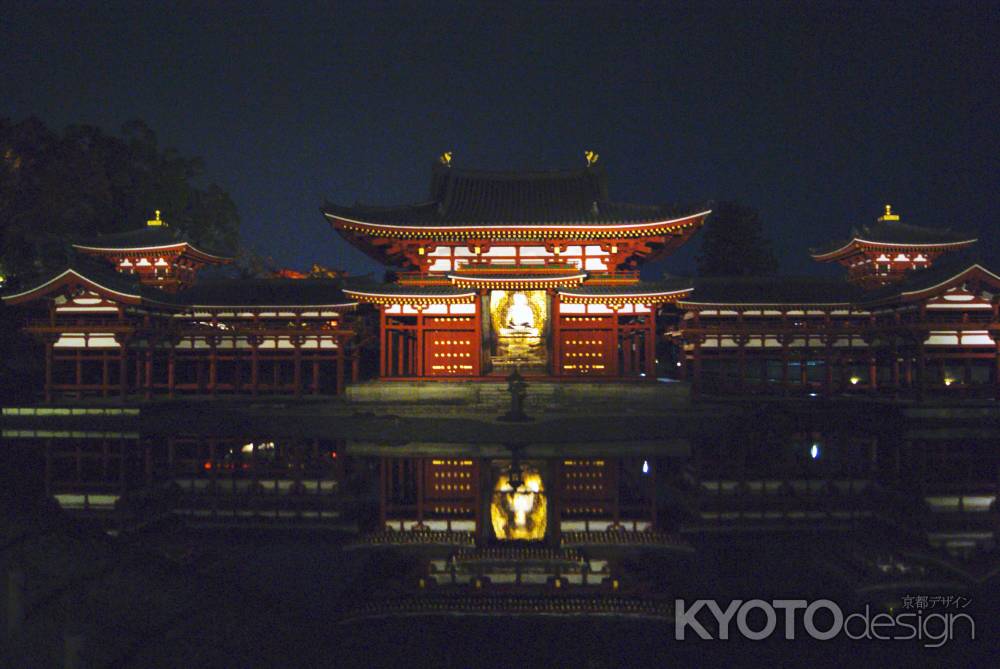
(445, 158)
(591, 157)
(888, 215)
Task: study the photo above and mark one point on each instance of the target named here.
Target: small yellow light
(948, 381)
(855, 380)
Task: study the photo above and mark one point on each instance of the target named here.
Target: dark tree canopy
(734, 243)
(55, 188)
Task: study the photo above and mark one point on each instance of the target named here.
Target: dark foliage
(57, 187)
(734, 243)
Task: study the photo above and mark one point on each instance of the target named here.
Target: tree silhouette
(55, 188)
(734, 243)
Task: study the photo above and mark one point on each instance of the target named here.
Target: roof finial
(445, 158)
(156, 222)
(888, 215)
(591, 157)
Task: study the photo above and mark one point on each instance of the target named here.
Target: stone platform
(543, 397)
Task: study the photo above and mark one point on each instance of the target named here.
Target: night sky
(817, 116)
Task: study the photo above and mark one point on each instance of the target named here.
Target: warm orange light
(208, 465)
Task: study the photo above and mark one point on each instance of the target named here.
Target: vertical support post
(651, 344)
(171, 371)
(213, 368)
(384, 350)
(556, 334)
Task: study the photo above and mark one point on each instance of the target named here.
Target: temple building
(530, 270)
(128, 318)
(905, 322)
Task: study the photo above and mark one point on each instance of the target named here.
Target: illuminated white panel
(142, 263)
(955, 298)
(771, 312)
(407, 309)
(882, 258)
(976, 339)
(70, 341)
(572, 308)
(595, 264)
(626, 309)
(462, 252)
(641, 309)
(942, 340)
(306, 314)
(595, 251)
(462, 309)
(573, 251)
(394, 309)
(160, 262)
(796, 312)
(901, 258)
(436, 309)
(126, 262)
(102, 341)
(798, 342)
(441, 265)
(500, 251)
(920, 258)
(598, 309)
(535, 252)
(87, 309)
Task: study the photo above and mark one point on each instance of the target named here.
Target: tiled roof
(139, 238)
(667, 285)
(475, 197)
(895, 232)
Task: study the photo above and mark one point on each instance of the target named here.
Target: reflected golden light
(520, 514)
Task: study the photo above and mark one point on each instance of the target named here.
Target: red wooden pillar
(418, 352)
(616, 343)
(477, 337)
(872, 373)
(384, 336)
(556, 335)
(651, 343)
(213, 368)
(355, 365)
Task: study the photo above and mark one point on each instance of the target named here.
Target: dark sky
(816, 115)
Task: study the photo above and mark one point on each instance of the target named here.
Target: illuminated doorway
(519, 322)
